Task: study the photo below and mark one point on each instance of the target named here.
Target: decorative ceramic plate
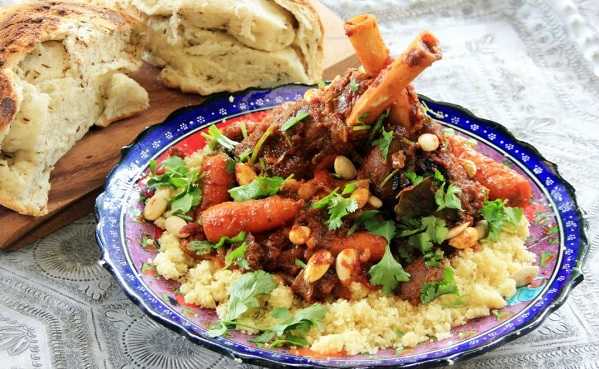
(557, 237)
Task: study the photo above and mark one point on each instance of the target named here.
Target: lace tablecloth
(531, 65)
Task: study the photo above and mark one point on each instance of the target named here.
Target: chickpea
(375, 202)
(361, 196)
(299, 235)
(244, 173)
(174, 225)
(344, 168)
(428, 142)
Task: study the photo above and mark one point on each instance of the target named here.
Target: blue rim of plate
(111, 207)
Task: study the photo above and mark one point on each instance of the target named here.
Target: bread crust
(24, 26)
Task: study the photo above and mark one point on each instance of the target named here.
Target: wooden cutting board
(79, 176)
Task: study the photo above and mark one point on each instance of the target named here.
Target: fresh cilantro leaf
(216, 137)
(237, 256)
(387, 272)
(200, 247)
(414, 178)
(448, 199)
(337, 206)
(437, 176)
(423, 235)
(291, 329)
(349, 188)
(260, 187)
(498, 216)
(239, 237)
(244, 293)
(445, 286)
(436, 228)
(219, 329)
(206, 247)
(383, 228)
(183, 180)
(384, 142)
(354, 86)
(432, 258)
(378, 125)
(298, 117)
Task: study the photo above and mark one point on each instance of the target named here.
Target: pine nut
(345, 263)
(299, 235)
(157, 204)
(344, 168)
(244, 174)
(375, 202)
(317, 265)
(428, 142)
(174, 225)
(361, 196)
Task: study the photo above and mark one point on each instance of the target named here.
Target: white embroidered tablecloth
(531, 65)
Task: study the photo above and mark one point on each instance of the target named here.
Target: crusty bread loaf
(207, 46)
(61, 68)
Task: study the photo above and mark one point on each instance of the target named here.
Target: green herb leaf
(298, 117)
(244, 293)
(384, 142)
(388, 273)
(300, 263)
(378, 125)
(432, 259)
(545, 258)
(216, 137)
(499, 216)
(446, 285)
(349, 188)
(448, 199)
(206, 247)
(362, 117)
(237, 256)
(260, 187)
(258, 146)
(437, 176)
(414, 178)
(337, 206)
(239, 237)
(354, 86)
(245, 155)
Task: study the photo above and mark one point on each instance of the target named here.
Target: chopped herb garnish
(446, 285)
(244, 129)
(243, 296)
(298, 117)
(338, 207)
(354, 86)
(300, 263)
(432, 259)
(260, 142)
(291, 329)
(183, 180)
(384, 142)
(545, 258)
(423, 236)
(362, 117)
(205, 247)
(237, 256)
(260, 187)
(216, 137)
(447, 197)
(378, 125)
(388, 273)
(414, 178)
(499, 216)
(147, 241)
(349, 188)
(388, 178)
(438, 176)
(245, 155)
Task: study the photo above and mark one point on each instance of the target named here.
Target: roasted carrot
(502, 181)
(230, 218)
(363, 242)
(216, 180)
